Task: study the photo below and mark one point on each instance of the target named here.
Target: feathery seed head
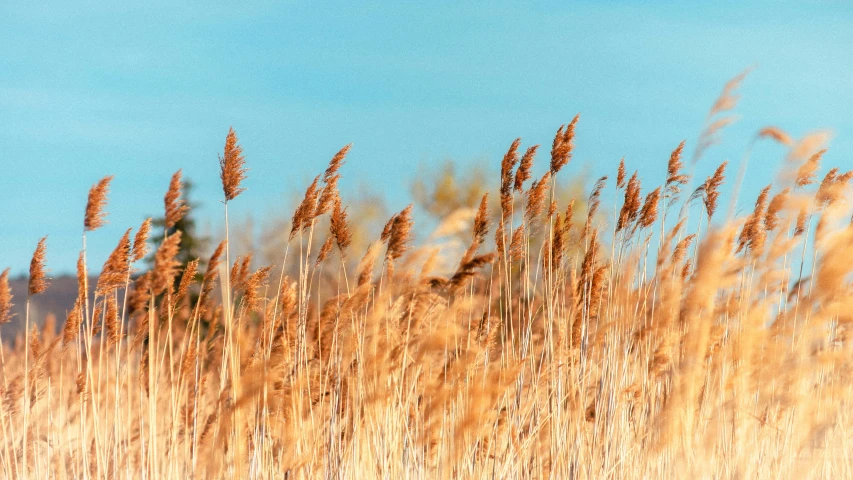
(72, 322)
(365, 266)
(336, 163)
(232, 166)
(593, 203)
(523, 172)
(829, 190)
(165, 264)
(386, 230)
(175, 207)
(561, 149)
(325, 250)
(557, 244)
(95, 214)
(728, 98)
(753, 235)
(140, 241)
(187, 279)
(777, 203)
(5, 298)
(649, 213)
(111, 321)
(81, 275)
(507, 164)
(38, 281)
(568, 216)
(305, 212)
(117, 267)
(212, 272)
(711, 189)
(536, 198)
(399, 234)
(329, 192)
(631, 205)
(516, 245)
(681, 249)
(481, 220)
(251, 298)
(674, 178)
(240, 272)
(806, 172)
(339, 227)
(775, 133)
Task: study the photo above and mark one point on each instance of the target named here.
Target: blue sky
(99, 88)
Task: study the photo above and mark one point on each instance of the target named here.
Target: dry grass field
(676, 340)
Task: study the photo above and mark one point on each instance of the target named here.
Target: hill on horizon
(56, 300)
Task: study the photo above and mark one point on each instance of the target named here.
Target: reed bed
(668, 342)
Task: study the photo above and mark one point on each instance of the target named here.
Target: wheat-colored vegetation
(674, 341)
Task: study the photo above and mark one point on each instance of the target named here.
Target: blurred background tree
(440, 191)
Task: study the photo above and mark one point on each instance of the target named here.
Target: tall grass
(560, 347)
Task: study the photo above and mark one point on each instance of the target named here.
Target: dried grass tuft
(561, 149)
(523, 172)
(38, 281)
(711, 190)
(5, 298)
(175, 207)
(116, 269)
(95, 215)
(165, 264)
(140, 241)
(232, 164)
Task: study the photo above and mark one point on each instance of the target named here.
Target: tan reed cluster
(656, 341)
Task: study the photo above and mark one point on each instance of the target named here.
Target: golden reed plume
(5, 298)
(116, 269)
(252, 299)
(240, 271)
(305, 213)
(593, 203)
(399, 235)
(232, 166)
(140, 241)
(165, 264)
(561, 149)
(777, 205)
(338, 225)
(507, 164)
(187, 279)
(536, 197)
(649, 212)
(38, 281)
(95, 215)
(777, 134)
(807, 171)
(712, 189)
(212, 273)
(523, 172)
(175, 207)
(631, 205)
(620, 174)
(674, 178)
(330, 182)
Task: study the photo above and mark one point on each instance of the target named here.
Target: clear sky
(94, 88)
